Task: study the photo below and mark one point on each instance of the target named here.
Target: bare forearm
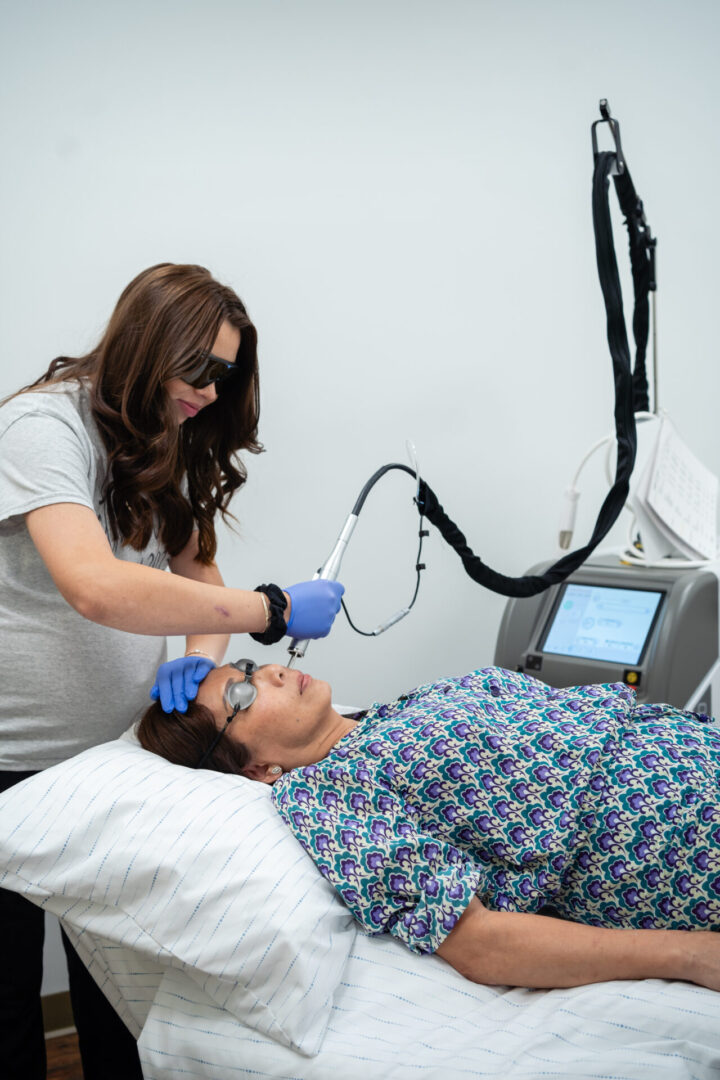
(185, 564)
(212, 645)
(509, 949)
(129, 596)
(143, 600)
(531, 950)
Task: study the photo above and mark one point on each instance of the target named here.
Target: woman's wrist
(266, 613)
(201, 652)
(274, 622)
(687, 954)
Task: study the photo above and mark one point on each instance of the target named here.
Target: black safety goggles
(237, 696)
(207, 368)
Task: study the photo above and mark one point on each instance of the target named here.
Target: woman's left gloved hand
(177, 681)
(313, 607)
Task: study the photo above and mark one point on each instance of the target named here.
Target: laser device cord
(331, 567)
(630, 393)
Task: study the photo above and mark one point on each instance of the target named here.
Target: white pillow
(194, 870)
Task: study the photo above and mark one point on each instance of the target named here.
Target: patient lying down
(451, 816)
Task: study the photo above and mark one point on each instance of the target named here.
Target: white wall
(400, 191)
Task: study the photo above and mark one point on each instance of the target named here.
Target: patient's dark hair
(183, 738)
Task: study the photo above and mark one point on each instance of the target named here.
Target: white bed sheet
(399, 1016)
(96, 838)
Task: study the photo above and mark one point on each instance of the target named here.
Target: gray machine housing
(679, 662)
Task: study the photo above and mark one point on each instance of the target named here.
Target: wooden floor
(63, 1058)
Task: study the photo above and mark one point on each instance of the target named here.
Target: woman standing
(113, 467)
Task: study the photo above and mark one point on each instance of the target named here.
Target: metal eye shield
(237, 696)
(240, 695)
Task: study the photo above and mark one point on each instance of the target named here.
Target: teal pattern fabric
(497, 785)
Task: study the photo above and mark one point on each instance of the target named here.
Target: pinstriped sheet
(189, 869)
(406, 1017)
(90, 840)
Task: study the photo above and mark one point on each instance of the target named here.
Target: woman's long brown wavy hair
(162, 319)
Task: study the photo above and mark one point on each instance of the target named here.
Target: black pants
(107, 1048)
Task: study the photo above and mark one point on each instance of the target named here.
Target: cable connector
(567, 524)
(390, 622)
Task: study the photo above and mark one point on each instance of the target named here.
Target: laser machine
(646, 615)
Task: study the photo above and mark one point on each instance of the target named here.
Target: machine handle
(328, 572)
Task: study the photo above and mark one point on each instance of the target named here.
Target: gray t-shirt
(65, 683)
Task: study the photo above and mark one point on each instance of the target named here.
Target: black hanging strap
(642, 246)
(630, 390)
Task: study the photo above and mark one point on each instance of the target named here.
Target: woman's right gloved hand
(177, 681)
(313, 607)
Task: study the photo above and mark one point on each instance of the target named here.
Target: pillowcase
(192, 869)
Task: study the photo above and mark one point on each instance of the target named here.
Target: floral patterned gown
(496, 785)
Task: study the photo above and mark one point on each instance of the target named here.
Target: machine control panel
(654, 629)
(599, 622)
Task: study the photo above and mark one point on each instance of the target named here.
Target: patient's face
(284, 723)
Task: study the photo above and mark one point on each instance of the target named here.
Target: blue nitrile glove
(177, 681)
(314, 605)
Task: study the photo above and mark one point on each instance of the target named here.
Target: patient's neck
(338, 726)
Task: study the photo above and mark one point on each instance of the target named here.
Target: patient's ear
(265, 774)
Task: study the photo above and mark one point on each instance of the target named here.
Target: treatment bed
(228, 955)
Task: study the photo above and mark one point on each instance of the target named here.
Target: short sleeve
(44, 459)
(369, 844)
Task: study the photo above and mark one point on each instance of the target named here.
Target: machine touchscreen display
(596, 622)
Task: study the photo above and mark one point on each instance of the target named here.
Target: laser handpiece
(328, 572)
(331, 567)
